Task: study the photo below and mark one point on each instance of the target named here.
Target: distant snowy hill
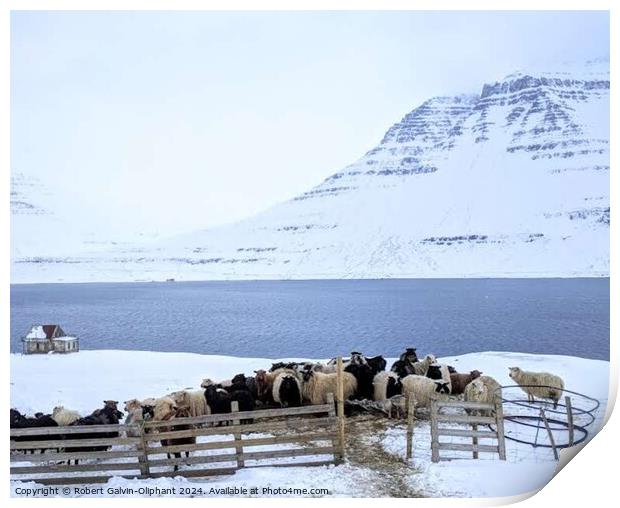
(512, 182)
(36, 225)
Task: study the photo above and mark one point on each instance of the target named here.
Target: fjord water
(323, 318)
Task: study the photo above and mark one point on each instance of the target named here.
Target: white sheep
(194, 399)
(538, 384)
(483, 389)
(280, 376)
(421, 368)
(325, 369)
(423, 389)
(132, 404)
(64, 417)
(135, 416)
(380, 384)
(226, 383)
(316, 386)
(440, 372)
(164, 408)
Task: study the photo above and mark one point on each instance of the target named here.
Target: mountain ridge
(513, 181)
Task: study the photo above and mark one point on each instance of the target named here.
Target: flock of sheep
(295, 383)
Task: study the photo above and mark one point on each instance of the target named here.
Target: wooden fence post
(234, 408)
(474, 440)
(332, 413)
(571, 426)
(499, 425)
(434, 431)
(340, 407)
(143, 458)
(544, 418)
(410, 412)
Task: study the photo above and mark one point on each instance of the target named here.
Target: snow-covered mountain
(50, 225)
(36, 226)
(511, 182)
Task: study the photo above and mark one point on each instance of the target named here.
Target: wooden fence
(490, 414)
(275, 437)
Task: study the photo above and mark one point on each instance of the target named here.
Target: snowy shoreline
(81, 381)
(17, 277)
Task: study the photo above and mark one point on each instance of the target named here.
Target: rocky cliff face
(513, 182)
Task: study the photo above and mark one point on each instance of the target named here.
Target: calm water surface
(324, 318)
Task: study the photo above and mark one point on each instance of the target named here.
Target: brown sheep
(264, 383)
(460, 381)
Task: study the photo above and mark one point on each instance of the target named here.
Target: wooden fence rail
(211, 445)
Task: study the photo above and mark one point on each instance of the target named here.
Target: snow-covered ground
(81, 381)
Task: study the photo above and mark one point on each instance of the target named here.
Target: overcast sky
(179, 121)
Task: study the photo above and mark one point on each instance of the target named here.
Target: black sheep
(284, 365)
(245, 401)
(377, 364)
(394, 387)
(434, 372)
(19, 421)
(289, 392)
(402, 368)
(363, 374)
(242, 382)
(217, 399)
(108, 415)
(252, 387)
(409, 355)
(442, 387)
(16, 416)
(357, 358)
(237, 383)
(148, 412)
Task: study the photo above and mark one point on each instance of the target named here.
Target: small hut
(49, 338)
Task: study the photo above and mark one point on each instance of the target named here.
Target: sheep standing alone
(483, 389)
(317, 385)
(538, 384)
(386, 385)
(460, 381)
(423, 389)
